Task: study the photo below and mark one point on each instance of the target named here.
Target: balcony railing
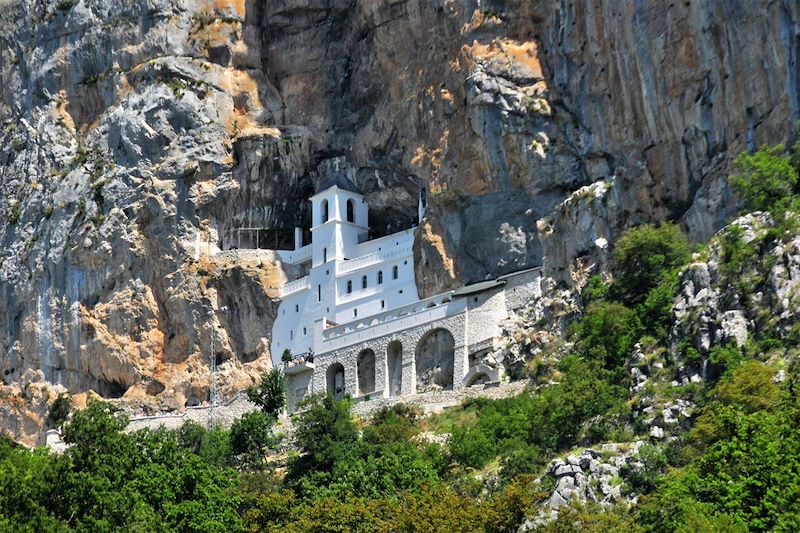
(299, 363)
(376, 232)
(295, 286)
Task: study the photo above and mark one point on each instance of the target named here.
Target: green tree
(270, 393)
(108, 480)
(643, 256)
(325, 431)
(766, 180)
(251, 436)
(211, 445)
(606, 333)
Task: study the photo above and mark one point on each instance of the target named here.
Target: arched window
(394, 272)
(380, 277)
(349, 286)
(324, 255)
(351, 215)
(324, 211)
(364, 282)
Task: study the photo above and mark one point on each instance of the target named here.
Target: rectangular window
(304, 331)
(291, 334)
(319, 293)
(383, 304)
(355, 312)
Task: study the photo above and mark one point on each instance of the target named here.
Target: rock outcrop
(593, 476)
(746, 287)
(136, 134)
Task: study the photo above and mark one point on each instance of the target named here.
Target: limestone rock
(135, 141)
(709, 309)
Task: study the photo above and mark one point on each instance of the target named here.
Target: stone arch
(365, 367)
(434, 360)
(481, 374)
(335, 377)
(394, 370)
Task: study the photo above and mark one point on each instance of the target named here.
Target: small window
(319, 293)
(400, 291)
(349, 287)
(395, 272)
(324, 211)
(355, 312)
(324, 255)
(351, 216)
(380, 277)
(291, 334)
(383, 304)
(476, 298)
(304, 331)
(363, 282)
(296, 308)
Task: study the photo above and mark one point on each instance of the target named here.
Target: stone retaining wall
(224, 415)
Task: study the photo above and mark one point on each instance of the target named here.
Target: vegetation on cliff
(729, 466)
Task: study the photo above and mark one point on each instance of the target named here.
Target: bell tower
(339, 216)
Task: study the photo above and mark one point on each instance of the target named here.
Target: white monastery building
(354, 323)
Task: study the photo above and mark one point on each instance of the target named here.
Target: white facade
(396, 342)
(354, 324)
(347, 280)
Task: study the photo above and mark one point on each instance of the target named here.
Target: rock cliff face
(138, 133)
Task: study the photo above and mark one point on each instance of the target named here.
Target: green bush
(15, 213)
(524, 460)
(643, 256)
(250, 438)
(595, 289)
(766, 180)
(606, 333)
(59, 411)
(471, 447)
(725, 359)
(324, 433)
(211, 445)
(108, 480)
(643, 479)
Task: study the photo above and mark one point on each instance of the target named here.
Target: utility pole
(212, 386)
(213, 391)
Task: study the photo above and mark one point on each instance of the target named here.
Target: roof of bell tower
(338, 179)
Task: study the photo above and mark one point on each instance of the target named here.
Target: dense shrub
(472, 447)
(111, 481)
(643, 257)
(606, 333)
(59, 411)
(325, 432)
(745, 477)
(250, 438)
(211, 445)
(766, 180)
